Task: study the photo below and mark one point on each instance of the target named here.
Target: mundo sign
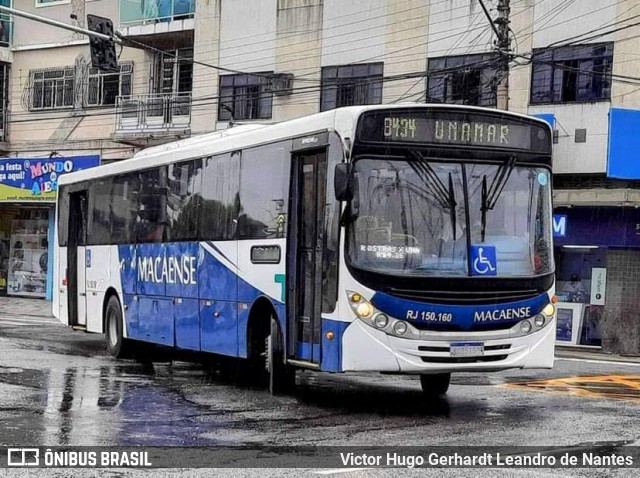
(36, 179)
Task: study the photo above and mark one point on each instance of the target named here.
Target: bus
(403, 239)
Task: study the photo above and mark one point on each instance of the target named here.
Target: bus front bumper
(367, 349)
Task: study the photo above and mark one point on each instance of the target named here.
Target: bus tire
(435, 385)
(282, 378)
(117, 345)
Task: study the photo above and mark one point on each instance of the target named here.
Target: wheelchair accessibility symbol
(483, 260)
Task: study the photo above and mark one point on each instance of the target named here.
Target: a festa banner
(36, 179)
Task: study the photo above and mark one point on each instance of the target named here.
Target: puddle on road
(121, 404)
(612, 387)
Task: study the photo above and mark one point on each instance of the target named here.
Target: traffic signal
(103, 52)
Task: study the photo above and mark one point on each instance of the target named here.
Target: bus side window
(63, 216)
(217, 193)
(99, 216)
(182, 208)
(264, 186)
(152, 211)
(124, 208)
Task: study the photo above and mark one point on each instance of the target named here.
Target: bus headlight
(539, 320)
(360, 306)
(549, 310)
(364, 310)
(525, 326)
(381, 320)
(377, 319)
(400, 328)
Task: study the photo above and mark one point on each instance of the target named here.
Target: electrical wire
(212, 100)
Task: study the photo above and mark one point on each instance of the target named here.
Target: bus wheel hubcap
(113, 330)
(267, 355)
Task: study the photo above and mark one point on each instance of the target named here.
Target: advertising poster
(36, 179)
(598, 285)
(564, 325)
(28, 258)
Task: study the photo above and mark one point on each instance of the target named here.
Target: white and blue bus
(406, 239)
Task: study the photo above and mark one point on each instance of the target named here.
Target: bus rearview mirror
(343, 182)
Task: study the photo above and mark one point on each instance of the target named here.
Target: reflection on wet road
(58, 387)
(616, 387)
(110, 404)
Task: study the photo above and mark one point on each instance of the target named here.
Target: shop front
(597, 252)
(28, 189)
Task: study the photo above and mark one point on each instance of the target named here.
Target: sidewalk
(589, 354)
(23, 306)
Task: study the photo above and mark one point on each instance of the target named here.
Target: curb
(597, 356)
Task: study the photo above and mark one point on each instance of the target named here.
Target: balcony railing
(142, 12)
(153, 113)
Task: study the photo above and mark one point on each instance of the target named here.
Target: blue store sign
(559, 225)
(597, 226)
(36, 179)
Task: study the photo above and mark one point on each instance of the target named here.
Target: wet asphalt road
(58, 387)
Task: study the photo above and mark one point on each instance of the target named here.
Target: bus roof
(342, 120)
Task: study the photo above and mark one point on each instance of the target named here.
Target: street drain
(614, 387)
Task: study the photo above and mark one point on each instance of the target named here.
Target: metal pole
(504, 49)
(486, 14)
(54, 23)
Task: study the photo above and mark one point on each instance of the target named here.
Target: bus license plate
(467, 349)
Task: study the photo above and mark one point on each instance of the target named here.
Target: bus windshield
(420, 217)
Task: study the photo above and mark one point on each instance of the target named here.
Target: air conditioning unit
(281, 83)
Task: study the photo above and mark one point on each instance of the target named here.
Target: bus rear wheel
(435, 385)
(282, 378)
(117, 345)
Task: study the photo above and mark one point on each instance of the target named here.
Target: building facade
(195, 66)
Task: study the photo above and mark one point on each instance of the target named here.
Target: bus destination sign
(454, 130)
(470, 133)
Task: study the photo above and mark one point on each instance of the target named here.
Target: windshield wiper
(445, 197)
(491, 195)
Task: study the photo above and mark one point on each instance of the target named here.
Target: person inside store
(575, 290)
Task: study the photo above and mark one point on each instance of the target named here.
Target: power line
(214, 99)
(297, 59)
(309, 90)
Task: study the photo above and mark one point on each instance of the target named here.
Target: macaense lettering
(167, 269)
(502, 314)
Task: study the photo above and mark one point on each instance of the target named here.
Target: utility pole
(503, 44)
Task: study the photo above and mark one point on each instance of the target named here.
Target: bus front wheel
(435, 385)
(117, 345)
(282, 378)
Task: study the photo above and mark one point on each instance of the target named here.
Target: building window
(463, 80)
(47, 2)
(51, 88)
(245, 96)
(4, 97)
(103, 88)
(351, 85)
(174, 71)
(572, 73)
(6, 26)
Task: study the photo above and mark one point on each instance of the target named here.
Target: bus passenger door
(304, 264)
(76, 260)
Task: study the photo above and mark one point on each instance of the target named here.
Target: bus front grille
(487, 348)
(483, 359)
(464, 297)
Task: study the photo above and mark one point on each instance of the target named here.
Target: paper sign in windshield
(391, 252)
